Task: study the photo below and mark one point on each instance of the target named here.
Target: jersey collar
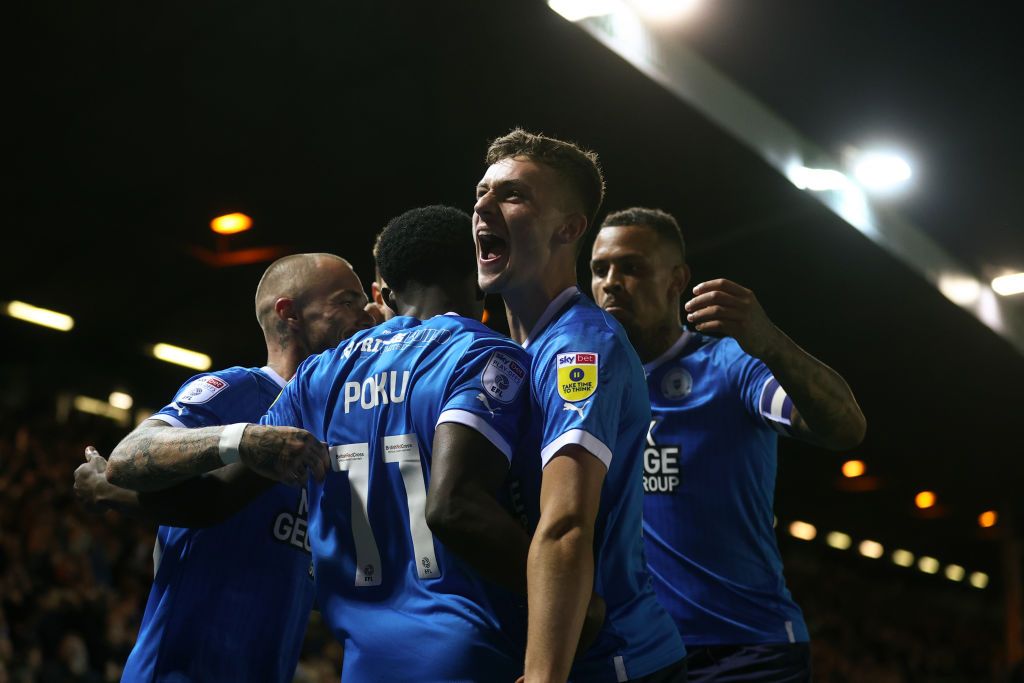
(556, 305)
(672, 352)
(269, 372)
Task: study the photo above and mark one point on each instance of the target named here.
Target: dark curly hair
(429, 245)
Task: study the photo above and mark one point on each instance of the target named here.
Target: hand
(91, 481)
(593, 621)
(722, 308)
(284, 454)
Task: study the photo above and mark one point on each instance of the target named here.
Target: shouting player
(580, 476)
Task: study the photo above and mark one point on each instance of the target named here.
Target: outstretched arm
(826, 413)
(156, 456)
(198, 502)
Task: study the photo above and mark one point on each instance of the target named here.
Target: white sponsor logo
(401, 448)
(386, 341)
(201, 390)
(487, 404)
(578, 409)
(376, 390)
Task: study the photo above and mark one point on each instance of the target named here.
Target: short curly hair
(661, 222)
(429, 245)
(577, 166)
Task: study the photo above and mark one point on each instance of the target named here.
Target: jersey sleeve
(762, 395)
(489, 392)
(216, 398)
(581, 390)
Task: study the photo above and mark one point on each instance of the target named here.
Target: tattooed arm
(156, 456)
(198, 502)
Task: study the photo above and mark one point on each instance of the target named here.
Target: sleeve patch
(201, 390)
(502, 377)
(577, 375)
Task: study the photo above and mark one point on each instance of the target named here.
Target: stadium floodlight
(39, 316)
(960, 289)
(903, 558)
(955, 572)
(838, 540)
(988, 518)
(924, 500)
(578, 10)
(230, 223)
(929, 565)
(818, 179)
(853, 468)
(978, 579)
(1008, 285)
(121, 400)
(881, 172)
(872, 549)
(179, 356)
(94, 406)
(803, 531)
(663, 11)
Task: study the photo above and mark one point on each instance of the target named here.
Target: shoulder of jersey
(205, 387)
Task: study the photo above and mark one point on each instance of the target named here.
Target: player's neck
(432, 300)
(651, 343)
(525, 305)
(284, 361)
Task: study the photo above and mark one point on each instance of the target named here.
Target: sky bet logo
(661, 465)
(577, 375)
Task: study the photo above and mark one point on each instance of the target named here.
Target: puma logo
(578, 409)
(487, 404)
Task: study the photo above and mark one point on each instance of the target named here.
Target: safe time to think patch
(577, 375)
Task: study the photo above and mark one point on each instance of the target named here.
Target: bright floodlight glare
(817, 179)
(180, 356)
(929, 565)
(578, 10)
(121, 400)
(960, 289)
(955, 572)
(924, 500)
(803, 531)
(881, 171)
(903, 558)
(95, 406)
(231, 223)
(988, 518)
(978, 579)
(838, 540)
(39, 316)
(663, 10)
(872, 549)
(853, 468)
(1007, 285)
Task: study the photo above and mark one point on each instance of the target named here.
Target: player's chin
(491, 281)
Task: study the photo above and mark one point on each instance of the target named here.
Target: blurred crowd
(73, 585)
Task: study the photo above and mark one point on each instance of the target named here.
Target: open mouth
(492, 247)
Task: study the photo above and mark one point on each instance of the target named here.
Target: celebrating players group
(588, 500)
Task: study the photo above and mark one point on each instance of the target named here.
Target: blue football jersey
(228, 602)
(588, 388)
(710, 463)
(404, 606)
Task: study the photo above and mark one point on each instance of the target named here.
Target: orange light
(924, 499)
(987, 519)
(485, 317)
(853, 468)
(231, 223)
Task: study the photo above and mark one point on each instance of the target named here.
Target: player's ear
(375, 293)
(389, 299)
(572, 228)
(680, 279)
(286, 310)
